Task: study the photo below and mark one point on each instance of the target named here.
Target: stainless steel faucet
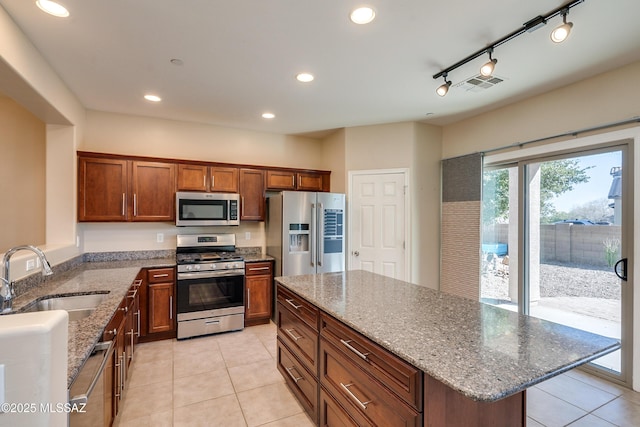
(6, 286)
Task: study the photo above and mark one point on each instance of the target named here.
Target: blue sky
(599, 182)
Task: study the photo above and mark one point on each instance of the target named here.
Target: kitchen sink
(78, 306)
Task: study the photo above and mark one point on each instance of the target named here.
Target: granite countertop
(257, 257)
(115, 277)
(484, 352)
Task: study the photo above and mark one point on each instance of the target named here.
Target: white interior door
(378, 226)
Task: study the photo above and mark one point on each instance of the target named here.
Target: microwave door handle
(312, 243)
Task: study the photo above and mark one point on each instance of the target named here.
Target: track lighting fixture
(557, 35)
(487, 69)
(560, 33)
(444, 88)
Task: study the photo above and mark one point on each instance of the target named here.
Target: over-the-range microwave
(204, 209)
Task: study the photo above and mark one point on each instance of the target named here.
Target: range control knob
(196, 267)
(187, 267)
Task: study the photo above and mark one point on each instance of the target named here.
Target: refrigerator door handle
(320, 228)
(312, 244)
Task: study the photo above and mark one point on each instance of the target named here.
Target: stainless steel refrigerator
(306, 232)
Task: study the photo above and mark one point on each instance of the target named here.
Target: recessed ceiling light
(52, 8)
(153, 98)
(305, 77)
(362, 15)
(268, 115)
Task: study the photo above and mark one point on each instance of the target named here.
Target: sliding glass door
(554, 228)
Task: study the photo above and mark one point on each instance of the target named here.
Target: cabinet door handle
(135, 204)
(124, 202)
(258, 268)
(137, 313)
(132, 345)
(171, 307)
(353, 349)
(118, 375)
(292, 335)
(292, 304)
(293, 181)
(361, 404)
(294, 378)
(242, 208)
(123, 370)
(204, 181)
(213, 182)
(248, 299)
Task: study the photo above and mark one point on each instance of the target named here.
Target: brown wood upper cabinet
(111, 189)
(252, 195)
(102, 189)
(301, 181)
(153, 191)
(207, 178)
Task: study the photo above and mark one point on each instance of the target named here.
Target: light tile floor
(231, 380)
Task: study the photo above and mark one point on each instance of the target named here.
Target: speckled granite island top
(484, 352)
(115, 277)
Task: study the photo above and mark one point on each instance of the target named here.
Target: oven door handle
(211, 274)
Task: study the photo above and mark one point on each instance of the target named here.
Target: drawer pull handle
(156, 276)
(361, 404)
(258, 268)
(291, 334)
(293, 304)
(352, 348)
(294, 378)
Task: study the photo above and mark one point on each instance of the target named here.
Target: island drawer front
(161, 275)
(332, 414)
(305, 311)
(303, 384)
(400, 377)
(300, 338)
(366, 400)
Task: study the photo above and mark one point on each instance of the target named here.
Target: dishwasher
(87, 392)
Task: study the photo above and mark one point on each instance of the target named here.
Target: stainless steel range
(210, 297)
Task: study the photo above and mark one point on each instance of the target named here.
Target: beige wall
(145, 136)
(27, 78)
(334, 159)
(603, 99)
(416, 147)
(22, 176)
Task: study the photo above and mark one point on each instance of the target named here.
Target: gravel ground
(556, 281)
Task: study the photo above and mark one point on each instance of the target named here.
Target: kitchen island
(475, 360)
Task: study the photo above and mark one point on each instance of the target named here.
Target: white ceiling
(241, 57)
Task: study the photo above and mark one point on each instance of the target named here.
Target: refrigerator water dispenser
(298, 238)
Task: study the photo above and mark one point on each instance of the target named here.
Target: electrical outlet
(31, 264)
(160, 237)
(247, 235)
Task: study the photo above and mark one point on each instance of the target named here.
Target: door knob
(355, 253)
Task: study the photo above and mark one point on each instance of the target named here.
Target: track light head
(560, 33)
(487, 69)
(444, 88)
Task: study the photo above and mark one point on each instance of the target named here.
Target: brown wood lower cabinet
(332, 414)
(299, 379)
(159, 318)
(359, 383)
(364, 398)
(259, 291)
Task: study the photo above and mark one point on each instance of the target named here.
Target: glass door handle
(622, 274)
